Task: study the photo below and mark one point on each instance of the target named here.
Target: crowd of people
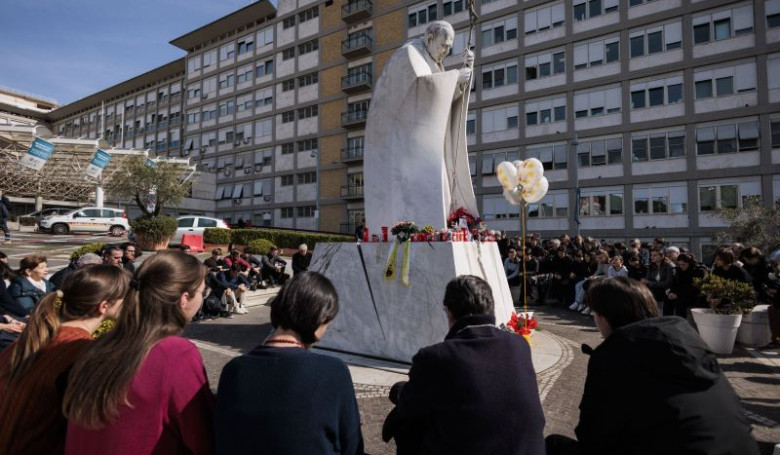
(560, 271)
(652, 385)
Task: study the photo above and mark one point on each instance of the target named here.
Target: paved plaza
(561, 366)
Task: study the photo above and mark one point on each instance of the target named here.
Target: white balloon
(530, 173)
(513, 196)
(518, 163)
(507, 174)
(536, 192)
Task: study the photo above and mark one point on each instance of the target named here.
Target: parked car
(196, 225)
(87, 219)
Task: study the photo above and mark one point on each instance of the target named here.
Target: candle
(384, 233)
(365, 235)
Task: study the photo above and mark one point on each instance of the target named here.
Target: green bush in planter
(218, 236)
(260, 246)
(245, 236)
(154, 229)
(727, 296)
(88, 248)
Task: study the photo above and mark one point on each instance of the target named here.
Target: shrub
(727, 296)
(27, 221)
(88, 248)
(245, 236)
(218, 236)
(260, 246)
(154, 229)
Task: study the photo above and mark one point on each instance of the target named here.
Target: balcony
(352, 154)
(354, 119)
(352, 192)
(357, 82)
(355, 10)
(357, 45)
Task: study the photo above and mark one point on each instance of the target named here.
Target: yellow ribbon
(390, 266)
(405, 264)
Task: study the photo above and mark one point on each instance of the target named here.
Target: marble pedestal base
(406, 317)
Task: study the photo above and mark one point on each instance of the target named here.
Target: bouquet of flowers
(471, 221)
(523, 324)
(404, 230)
(428, 229)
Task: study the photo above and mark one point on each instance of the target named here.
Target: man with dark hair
(273, 267)
(130, 253)
(473, 393)
(112, 255)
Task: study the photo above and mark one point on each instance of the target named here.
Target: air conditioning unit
(246, 141)
(258, 167)
(236, 201)
(204, 96)
(247, 170)
(228, 173)
(267, 198)
(237, 143)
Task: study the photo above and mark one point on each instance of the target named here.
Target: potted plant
(152, 185)
(728, 301)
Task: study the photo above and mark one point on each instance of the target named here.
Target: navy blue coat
(27, 295)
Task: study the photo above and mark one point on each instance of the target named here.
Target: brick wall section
(330, 186)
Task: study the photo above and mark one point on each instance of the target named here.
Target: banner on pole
(98, 163)
(38, 154)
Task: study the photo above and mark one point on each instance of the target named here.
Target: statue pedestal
(406, 318)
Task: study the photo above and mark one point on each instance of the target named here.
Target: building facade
(648, 115)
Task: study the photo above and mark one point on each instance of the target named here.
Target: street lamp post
(574, 143)
(316, 155)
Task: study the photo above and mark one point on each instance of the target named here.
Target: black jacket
(654, 387)
(734, 272)
(474, 393)
(682, 285)
(300, 262)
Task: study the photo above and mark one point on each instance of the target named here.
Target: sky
(68, 49)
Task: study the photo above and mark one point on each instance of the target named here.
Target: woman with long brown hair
(59, 328)
(142, 389)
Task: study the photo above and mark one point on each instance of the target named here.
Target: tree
(753, 225)
(167, 179)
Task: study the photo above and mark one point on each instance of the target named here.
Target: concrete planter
(148, 245)
(719, 331)
(754, 330)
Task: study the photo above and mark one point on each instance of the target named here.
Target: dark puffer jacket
(654, 387)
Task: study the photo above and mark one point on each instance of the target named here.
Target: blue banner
(98, 163)
(38, 154)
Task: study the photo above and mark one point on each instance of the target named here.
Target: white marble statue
(416, 162)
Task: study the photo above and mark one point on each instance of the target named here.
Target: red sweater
(31, 420)
(171, 413)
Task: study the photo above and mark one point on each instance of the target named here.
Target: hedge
(260, 246)
(282, 239)
(88, 248)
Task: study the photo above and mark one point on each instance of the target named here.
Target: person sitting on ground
(513, 268)
(636, 270)
(724, 265)
(273, 267)
(756, 266)
(659, 277)
(215, 261)
(130, 252)
(672, 252)
(561, 267)
(8, 304)
(602, 271)
(59, 328)
(30, 283)
(301, 259)
(653, 385)
(232, 289)
(616, 267)
(141, 389)
(682, 293)
(473, 393)
(255, 271)
(301, 402)
(235, 258)
(112, 255)
(83, 261)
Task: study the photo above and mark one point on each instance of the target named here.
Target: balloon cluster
(523, 180)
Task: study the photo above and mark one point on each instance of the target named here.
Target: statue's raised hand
(468, 59)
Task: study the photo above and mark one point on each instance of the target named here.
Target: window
(545, 111)
(193, 64)
(491, 159)
(245, 74)
(667, 199)
(596, 52)
(264, 68)
(308, 112)
(499, 31)
(658, 146)
(499, 75)
(554, 205)
(288, 53)
(288, 148)
(451, 7)
(307, 211)
(209, 112)
(308, 79)
(193, 116)
(601, 202)
(288, 116)
(497, 208)
(423, 14)
(597, 102)
(723, 24)
(246, 44)
(657, 92)
(264, 97)
(244, 103)
(600, 152)
(209, 139)
(307, 177)
(308, 46)
(543, 65)
(263, 128)
(725, 81)
(655, 39)
(288, 85)
(727, 138)
(775, 125)
(545, 18)
(227, 80)
(499, 119)
(552, 156)
(593, 8)
(288, 22)
(209, 86)
(209, 58)
(727, 195)
(286, 212)
(227, 51)
(772, 11)
(471, 124)
(265, 36)
(244, 134)
(227, 107)
(309, 14)
(287, 180)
